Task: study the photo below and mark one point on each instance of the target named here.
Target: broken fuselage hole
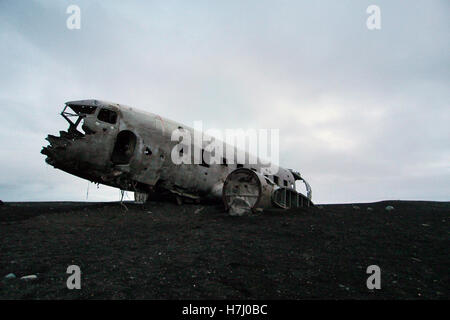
(124, 147)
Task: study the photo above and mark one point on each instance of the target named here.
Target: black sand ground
(165, 251)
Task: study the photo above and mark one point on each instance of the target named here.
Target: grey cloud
(363, 114)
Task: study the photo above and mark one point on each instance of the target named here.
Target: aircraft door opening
(124, 147)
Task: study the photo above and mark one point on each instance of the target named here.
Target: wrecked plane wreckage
(129, 149)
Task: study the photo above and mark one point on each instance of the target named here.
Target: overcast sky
(363, 114)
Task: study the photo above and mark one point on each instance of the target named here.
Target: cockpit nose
(74, 114)
(86, 148)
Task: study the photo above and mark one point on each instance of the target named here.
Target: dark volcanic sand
(165, 251)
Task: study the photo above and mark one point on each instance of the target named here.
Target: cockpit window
(83, 109)
(108, 116)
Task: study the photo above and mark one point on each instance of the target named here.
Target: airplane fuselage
(130, 149)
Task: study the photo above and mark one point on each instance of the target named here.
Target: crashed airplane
(119, 146)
